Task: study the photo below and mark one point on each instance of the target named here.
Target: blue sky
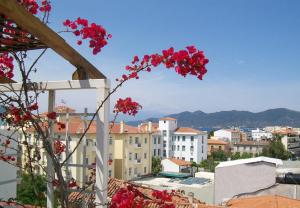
(253, 48)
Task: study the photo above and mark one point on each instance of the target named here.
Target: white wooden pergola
(86, 76)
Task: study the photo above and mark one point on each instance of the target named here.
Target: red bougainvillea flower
(96, 34)
(61, 125)
(6, 65)
(33, 7)
(127, 106)
(59, 147)
(127, 197)
(52, 115)
(189, 61)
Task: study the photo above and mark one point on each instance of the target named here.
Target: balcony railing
(138, 161)
(138, 145)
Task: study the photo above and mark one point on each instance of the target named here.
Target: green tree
(32, 190)
(246, 155)
(276, 150)
(211, 133)
(219, 155)
(209, 164)
(236, 156)
(156, 165)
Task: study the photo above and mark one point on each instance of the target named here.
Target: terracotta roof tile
(168, 119)
(180, 162)
(269, 201)
(188, 130)
(216, 142)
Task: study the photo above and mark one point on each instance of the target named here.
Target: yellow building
(82, 159)
(132, 151)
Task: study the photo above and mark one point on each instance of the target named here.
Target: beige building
(215, 145)
(132, 151)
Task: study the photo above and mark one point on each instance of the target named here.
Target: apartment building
(258, 135)
(228, 135)
(189, 144)
(167, 126)
(216, 145)
(253, 147)
(132, 151)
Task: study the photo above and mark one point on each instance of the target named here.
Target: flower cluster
(17, 116)
(33, 7)
(189, 61)
(127, 197)
(6, 65)
(7, 158)
(59, 147)
(127, 106)
(163, 198)
(96, 34)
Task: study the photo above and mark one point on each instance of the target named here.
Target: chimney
(149, 126)
(122, 125)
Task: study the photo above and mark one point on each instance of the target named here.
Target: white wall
(243, 178)
(169, 126)
(169, 166)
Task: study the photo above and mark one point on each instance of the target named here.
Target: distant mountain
(199, 119)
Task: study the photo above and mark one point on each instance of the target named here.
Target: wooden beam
(14, 11)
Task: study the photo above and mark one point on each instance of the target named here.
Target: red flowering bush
(127, 106)
(6, 65)
(127, 197)
(185, 62)
(96, 34)
(59, 147)
(33, 7)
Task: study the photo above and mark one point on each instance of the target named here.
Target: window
(202, 149)
(164, 153)
(130, 155)
(135, 156)
(178, 147)
(158, 142)
(183, 138)
(192, 148)
(202, 140)
(145, 155)
(136, 140)
(158, 152)
(130, 140)
(178, 138)
(87, 160)
(109, 173)
(192, 138)
(110, 156)
(154, 152)
(220, 147)
(165, 144)
(110, 141)
(145, 169)
(192, 159)
(164, 133)
(183, 148)
(145, 140)
(183, 158)
(154, 140)
(129, 171)
(250, 147)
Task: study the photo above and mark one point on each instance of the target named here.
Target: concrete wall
(168, 166)
(244, 178)
(8, 181)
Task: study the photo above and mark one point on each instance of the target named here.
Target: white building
(228, 135)
(237, 177)
(167, 126)
(292, 144)
(175, 165)
(189, 144)
(259, 134)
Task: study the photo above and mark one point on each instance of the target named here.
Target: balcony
(137, 145)
(138, 161)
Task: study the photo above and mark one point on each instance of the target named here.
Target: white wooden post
(102, 146)
(84, 142)
(50, 169)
